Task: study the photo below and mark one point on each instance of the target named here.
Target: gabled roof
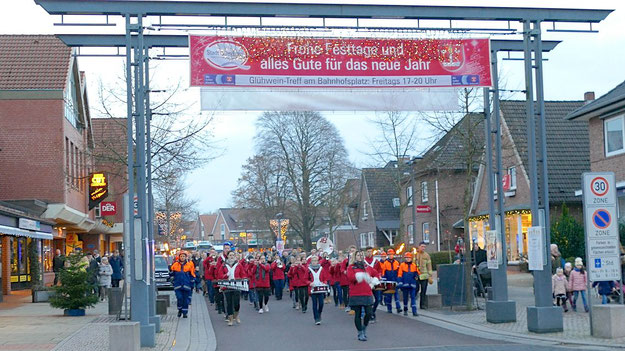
(613, 99)
(208, 220)
(243, 219)
(33, 62)
(381, 187)
(568, 149)
(451, 151)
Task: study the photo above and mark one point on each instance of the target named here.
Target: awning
(26, 233)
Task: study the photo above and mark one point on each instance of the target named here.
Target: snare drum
(320, 289)
(388, 287)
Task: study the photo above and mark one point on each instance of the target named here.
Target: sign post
(602, 239)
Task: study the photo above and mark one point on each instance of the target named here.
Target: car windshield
(160, 262)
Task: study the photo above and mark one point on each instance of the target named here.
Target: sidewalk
(37, 326)
(576, 324)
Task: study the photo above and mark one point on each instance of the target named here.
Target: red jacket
(222, 272)
(360, 288)
(208, 275)
(324, 276)
(373, 263)
(260, 274)
(343, 280)
(278, 273)
(299, 275)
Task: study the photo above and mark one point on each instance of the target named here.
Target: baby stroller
(615, 296)
(481, 279)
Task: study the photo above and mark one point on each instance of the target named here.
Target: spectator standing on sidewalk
(559, 287)
(424, 262)
(556, 258)
(605, 289)
(58, 263)
(577, 283)
(117, 263)
(105, 273)
(93, 269)
(197, 263)
(183, 273)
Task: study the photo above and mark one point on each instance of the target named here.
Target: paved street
(284, 328)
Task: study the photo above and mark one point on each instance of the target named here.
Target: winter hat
(568, 265)
(579, 262)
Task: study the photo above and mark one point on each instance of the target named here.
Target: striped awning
(26, 233)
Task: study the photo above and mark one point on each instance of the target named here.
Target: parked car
(204, 245)
(161, 272)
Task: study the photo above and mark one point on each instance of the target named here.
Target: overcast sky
(582, 62)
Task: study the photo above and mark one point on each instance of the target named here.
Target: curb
(494, 334)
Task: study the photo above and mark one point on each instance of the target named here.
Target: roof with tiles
(611, 97)
(568, 149)
(465, 139)
(33, 62)
(381, 187)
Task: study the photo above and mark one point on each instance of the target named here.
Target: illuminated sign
(108, 208)
(98, 189)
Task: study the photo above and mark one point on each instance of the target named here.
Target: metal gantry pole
(154, 318)
(543, 317)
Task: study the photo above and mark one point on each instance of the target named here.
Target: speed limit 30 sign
(602, 241)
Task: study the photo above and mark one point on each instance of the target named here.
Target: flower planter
(74, 312)
(42, 295)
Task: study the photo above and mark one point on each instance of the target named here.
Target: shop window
(614, 135)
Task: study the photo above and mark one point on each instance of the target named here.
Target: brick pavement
(576, 324)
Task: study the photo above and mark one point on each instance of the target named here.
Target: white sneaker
(266, 308)
(260, 311)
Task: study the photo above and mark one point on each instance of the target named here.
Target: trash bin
(116, 299)
(451, 284)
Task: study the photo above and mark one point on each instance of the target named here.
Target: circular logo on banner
(599, 186)
(601, 219)
(226, 55)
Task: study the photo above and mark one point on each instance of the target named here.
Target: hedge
(442, 257)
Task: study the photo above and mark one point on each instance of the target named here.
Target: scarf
(258, 274)
(359, 264)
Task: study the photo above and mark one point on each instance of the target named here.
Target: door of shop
(20, 263)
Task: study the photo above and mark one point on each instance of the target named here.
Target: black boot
(405, 311)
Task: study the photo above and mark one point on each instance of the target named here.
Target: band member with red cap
(389, 272)
(317, 276)
(407, 276)
(361, 279)
(183, 274)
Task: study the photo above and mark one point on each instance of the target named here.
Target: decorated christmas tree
(75, 292)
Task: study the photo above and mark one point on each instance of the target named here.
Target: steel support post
(154, 318)
(543, 317)
(139, 297)
(499, 309)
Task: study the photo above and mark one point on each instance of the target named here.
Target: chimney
(589, 97)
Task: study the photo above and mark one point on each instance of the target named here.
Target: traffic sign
(602, 240)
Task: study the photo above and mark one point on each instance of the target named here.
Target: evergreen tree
(75, 292)
(568, 234)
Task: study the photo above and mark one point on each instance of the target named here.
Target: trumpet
(280, 264)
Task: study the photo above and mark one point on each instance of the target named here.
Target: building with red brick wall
(567, 158)
(46, 138)
(606, 127)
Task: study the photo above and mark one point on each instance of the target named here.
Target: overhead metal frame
(531, 18)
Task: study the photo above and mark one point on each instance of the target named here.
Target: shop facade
(517, 222)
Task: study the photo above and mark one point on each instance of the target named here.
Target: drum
(388, 287)
(320, 289)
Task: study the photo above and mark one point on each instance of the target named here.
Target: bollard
(165, 297)
(124, 336)
(161, 307)
(116, 300)
(608, 321)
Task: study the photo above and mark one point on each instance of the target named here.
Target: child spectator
(577, 283)
(559, 286)
(605, 288)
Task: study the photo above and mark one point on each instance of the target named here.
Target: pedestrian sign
(602, 240)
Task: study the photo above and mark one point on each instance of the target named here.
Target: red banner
(341, 63)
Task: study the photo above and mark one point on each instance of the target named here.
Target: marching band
(356, 281)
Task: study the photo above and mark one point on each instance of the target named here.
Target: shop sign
(108, 208)
(25, 223)
(98, 189)
(300, 62)
(424, 209)
(108, 223)
(600, 222)
(506, 182)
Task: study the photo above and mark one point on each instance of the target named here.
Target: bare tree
(312, 155)
(398, 139)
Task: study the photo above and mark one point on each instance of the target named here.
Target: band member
(407, 276)
(278, 268)
(230, 270)
(209, 275)
(377, 294)
(389, 272)
(292, 292)
(335, 283)
(317, 276)
(345, 281)
(183, 273)
(361, 279)
(299, 274)
(383, 258)
(221, 259)
(259, 271)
